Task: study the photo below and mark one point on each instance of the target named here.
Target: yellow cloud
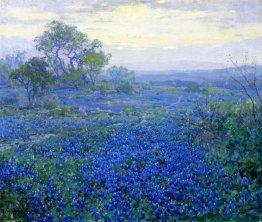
(161, 1)
(25, 31)
(144, 10)
(142, 35)
(139, 26)
(134, 10)
(76, 7)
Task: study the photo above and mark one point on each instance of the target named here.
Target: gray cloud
(245, 10)
(242, 11)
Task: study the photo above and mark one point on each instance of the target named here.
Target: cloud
(142, 27)
(140, 31)
(29, 14)
(245, 11)
(188, 57)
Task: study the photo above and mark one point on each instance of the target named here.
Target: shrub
(104, 86)
(65, 110)
(193, 87)
(11, 99)
(122, 78)
(243, 145)
(48, 102)
(125, 87)
(232, 127)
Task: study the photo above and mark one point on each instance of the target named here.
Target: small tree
(122, 78)
(9, 63)
(250, 84)
(93, 63)
(244, 126)
(34, 77)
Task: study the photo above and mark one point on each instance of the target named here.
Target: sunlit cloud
(25, 31)
(73, 7)
(139, 25)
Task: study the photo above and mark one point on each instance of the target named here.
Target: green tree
(72, 56)
(122, 78)
(93, 63)
(34, 77)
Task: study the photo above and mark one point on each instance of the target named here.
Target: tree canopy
(122, 78)
(34, 77)
(70, 52)
(93, 63)
(121, 74)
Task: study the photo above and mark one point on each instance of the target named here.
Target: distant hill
(192, 75)
(187, 75)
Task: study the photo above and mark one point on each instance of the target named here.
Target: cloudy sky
(145, 34)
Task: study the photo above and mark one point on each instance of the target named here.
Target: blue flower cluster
(135, 173)
(138, 175)
(21, 128)
(10, 173)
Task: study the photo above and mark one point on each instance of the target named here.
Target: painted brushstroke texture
(143, 35)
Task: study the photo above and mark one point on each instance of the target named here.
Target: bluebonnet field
(81, 143)
(114, 157)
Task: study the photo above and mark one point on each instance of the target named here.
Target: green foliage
(72, 56)
(132, 112)
(74, 80)
(121, 75)
(48, 102)
(93, 63)
(145, 85)
(206, 91)
(122, 78)
(11, 207)
(193, 87)
(104, 86)
(61, 42)
(34, 77)
(243, 146)
(125, 87)
(64, 110)
(233, 128)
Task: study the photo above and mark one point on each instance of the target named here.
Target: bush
(243, 145)
(232, 127)
(104, 86)
(193, 87)
(125, 88)
(65, 110)
(74, 80)
(11, 99)
(144, 85)
(48, 102)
